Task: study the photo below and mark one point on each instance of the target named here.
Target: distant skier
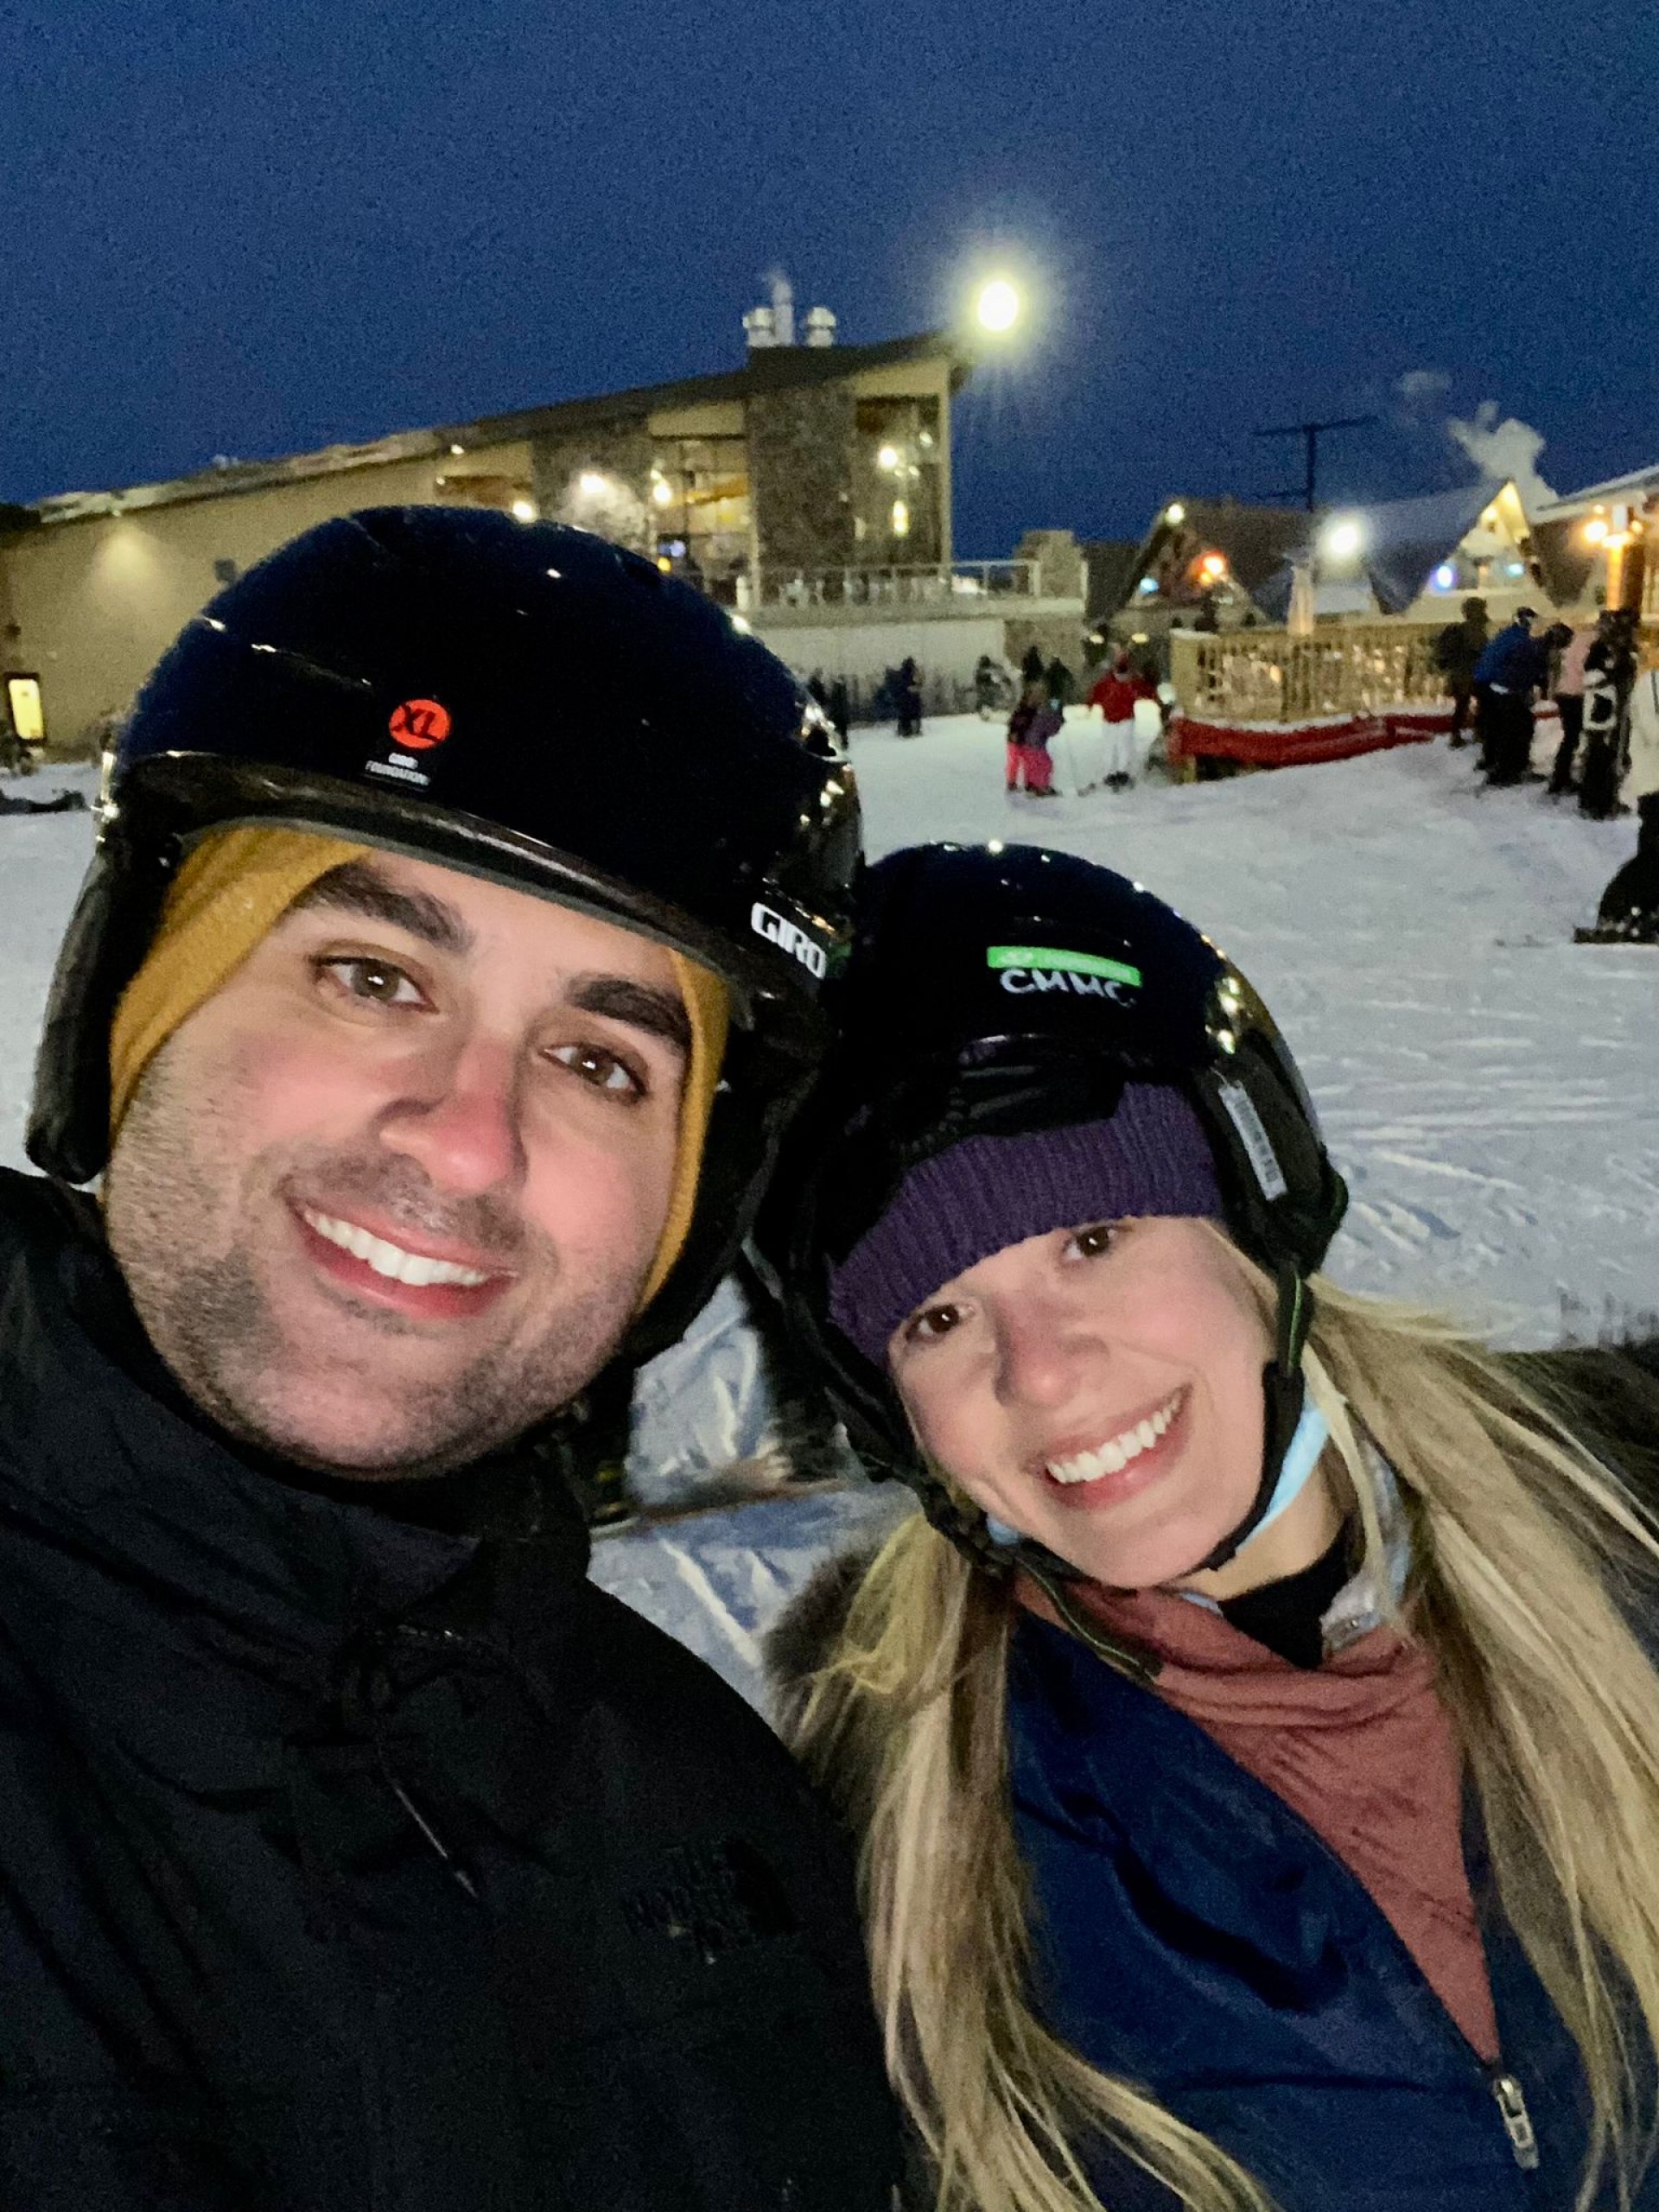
(991, 686)
(1115, 695)
(1567, 689)
(909, 699)
(1629, 913)
(1032, 667)
(1031, 725)
(1457, 649)
(1513, 669)
(1609, 681)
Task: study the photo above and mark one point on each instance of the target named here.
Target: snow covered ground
(1491, 1090)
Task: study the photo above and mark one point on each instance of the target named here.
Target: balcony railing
(939, 584)
(1266, 676)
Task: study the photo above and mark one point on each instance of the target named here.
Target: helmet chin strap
(1293, 1432)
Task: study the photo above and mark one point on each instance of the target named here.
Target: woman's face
(1100, 1389)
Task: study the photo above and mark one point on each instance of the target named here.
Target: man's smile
(425, 1285)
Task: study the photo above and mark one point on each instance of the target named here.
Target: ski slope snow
(1489, 1090)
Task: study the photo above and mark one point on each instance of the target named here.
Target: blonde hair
(1521, 1537)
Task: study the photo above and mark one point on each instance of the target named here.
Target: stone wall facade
(621, 452)
(801, 477)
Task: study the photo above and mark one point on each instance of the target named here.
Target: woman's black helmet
(523, 702)
(997, 990)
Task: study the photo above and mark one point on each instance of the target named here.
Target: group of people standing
(1609, 742)
(1039, 716)
(1497, 679)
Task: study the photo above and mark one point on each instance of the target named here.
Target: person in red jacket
(1115, 695)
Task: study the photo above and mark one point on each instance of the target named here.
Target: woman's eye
(605, 1070)
(931, 1323)
(376, 980)
(1090, 1243)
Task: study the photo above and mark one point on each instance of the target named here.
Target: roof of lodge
(771, 368)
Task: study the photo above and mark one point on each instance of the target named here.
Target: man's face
(389, 1196)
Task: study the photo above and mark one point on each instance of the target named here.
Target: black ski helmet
(997, 990)
(524, 702)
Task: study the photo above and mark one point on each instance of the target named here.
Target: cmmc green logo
(1026, 967)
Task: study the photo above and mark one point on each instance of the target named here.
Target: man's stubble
(207, 1312)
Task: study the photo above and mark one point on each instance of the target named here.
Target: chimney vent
(760, 329)
(820, 327)
(783, 307)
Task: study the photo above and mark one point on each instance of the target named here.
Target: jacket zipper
(1518, 2120)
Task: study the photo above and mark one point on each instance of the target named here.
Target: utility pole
(1309, 432)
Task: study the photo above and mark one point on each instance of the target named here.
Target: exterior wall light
(524, 510)
(1342, 540)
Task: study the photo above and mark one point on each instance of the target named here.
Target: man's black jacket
(350, 1866)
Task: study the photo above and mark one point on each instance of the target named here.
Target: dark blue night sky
(249, 229)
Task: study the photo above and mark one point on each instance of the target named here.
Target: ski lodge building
(809, 491)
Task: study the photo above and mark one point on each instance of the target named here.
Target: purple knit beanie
(952, 1212)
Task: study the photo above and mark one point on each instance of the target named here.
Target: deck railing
(939, 583)
(1267, 675)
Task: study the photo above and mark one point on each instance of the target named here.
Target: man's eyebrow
(642, 1006)
(356, 887)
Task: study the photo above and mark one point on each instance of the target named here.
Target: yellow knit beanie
(237, 884)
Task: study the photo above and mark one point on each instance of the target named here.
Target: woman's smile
(1121, 1465)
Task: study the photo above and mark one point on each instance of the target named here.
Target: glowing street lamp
(1174, 512)
(1595, 530)
(1342, 540)
(997, 305)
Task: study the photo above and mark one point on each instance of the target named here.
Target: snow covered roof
(1635, 486)
(1404, 541)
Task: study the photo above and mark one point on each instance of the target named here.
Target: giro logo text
(790, 939)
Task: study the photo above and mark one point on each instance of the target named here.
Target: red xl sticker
(419, 724)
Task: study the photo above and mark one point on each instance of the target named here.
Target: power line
(1310, 433)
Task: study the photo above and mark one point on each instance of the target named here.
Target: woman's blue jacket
(1193, 1935)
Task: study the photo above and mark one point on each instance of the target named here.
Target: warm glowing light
(1342, 540)
(523, 510)
(1489, 520)
(1595, 530)
(997, 307)
(457, 449)
(592, 485)
(661, 493)
(900, 519)
(664, 564)
(888, 458)
(740, 622)
(1174, 511)
(1213, 568)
